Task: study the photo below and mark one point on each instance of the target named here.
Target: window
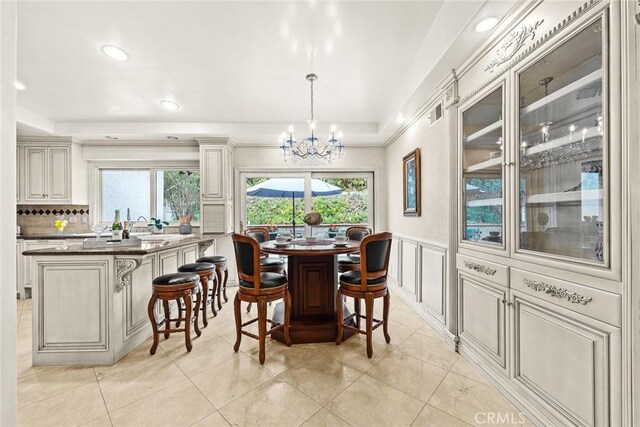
(277, 201)
(158, 193)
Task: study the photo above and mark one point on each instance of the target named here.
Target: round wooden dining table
(313, 282)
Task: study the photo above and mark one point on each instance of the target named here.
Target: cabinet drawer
(484, 269)
(592, 302)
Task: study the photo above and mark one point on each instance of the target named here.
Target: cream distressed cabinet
(216, 171)
(539, 258)
(51, 172)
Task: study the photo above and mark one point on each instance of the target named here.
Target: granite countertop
(147, 247)
(57, 236)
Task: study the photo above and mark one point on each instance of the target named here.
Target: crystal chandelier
(311, 150)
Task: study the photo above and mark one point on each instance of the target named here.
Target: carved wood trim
(480, 268)
(203, 246)
(554, 291)
(124, 268)
(543, 39)
(511, 46)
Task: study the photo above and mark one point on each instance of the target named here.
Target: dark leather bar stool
(368, 283)
(267, 264)
(205, 271)
(352, 261)
(220, 263)
(179, 287)
(260, 288)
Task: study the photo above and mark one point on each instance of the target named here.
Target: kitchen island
(90, 305)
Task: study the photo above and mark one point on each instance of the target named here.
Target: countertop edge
(130, 251)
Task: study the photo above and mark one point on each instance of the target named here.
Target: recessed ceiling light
(169, 105)
(19, 85)
(114, 52)
(172, 137)
(486, 24)
(111, 137)
(400, 118)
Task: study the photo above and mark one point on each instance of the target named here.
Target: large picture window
(159, 193)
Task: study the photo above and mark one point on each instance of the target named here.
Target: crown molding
(216, 140)
(137, 143)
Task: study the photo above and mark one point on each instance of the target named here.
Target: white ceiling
(236, 68)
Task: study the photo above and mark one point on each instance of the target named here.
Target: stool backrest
(374, 257)
(357, 232)
(260, 234)
(247, 252)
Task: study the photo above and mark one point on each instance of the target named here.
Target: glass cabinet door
(562, 150)
(482, 138)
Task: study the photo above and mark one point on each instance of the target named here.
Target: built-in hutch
(216, 170)
(539, 255)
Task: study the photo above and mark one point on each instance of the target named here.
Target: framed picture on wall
(411, 180)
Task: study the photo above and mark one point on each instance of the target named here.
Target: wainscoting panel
(432, 280)
(418, 269)
(394, 261)
(409, 264)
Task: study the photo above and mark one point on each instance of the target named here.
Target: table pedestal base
(310, 331)
(313, 285)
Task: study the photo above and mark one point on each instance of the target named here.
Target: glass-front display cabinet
(562, 146)
(482, 158)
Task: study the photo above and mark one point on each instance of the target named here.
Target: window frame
(151, 167)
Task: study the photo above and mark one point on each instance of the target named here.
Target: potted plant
(158, 225)
(185, 224)
(333, 230)
(273, 231)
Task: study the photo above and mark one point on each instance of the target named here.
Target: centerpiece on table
(312, 219)
(273, 231)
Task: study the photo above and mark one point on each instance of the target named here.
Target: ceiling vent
(435, 114)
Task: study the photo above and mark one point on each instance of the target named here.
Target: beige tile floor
(416, 380)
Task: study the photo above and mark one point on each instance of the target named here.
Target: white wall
(8, 381)
(372, 159)
(434, 143)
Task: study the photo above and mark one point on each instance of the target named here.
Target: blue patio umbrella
(292, 187)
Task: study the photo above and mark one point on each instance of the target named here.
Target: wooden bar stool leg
(198, 305)
(187, 321)
(262, 326)
(224, 288)
(236, 313)
(215, 285)
(179, 302)
(356, 309)
(339, 316)
(385, 317)
(204, 281)
(287, 317)
(154, 324)
(368, 302)
(219, 277)
(167, 316)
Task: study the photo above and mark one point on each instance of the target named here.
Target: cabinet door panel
(213, 218)
(58, 173)
(214, 173)
(35, 173)
(564, 360)
(482, 318)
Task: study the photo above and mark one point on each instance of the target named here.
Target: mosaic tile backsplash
(38, 219)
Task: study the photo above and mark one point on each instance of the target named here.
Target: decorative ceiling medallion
(515, 41)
